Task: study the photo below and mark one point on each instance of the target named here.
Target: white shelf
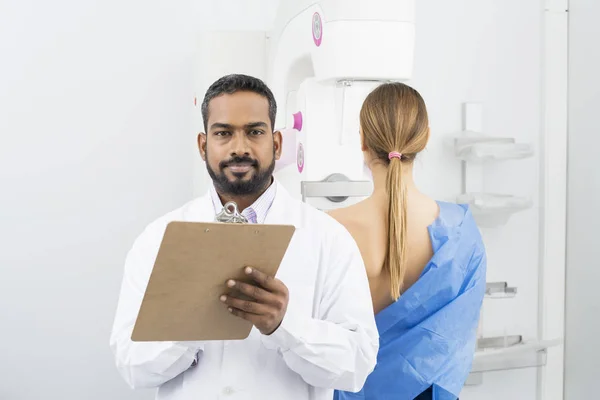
(528, 354)
(475, 147)
(495, 152)
(491, 209)
(522, 355)
(499, 290)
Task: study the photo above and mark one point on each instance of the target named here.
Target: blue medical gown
(428, 336)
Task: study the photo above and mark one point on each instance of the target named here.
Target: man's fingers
(244, 315)
(247, 306)
(257, 293)
(265, 305)
(266, 281)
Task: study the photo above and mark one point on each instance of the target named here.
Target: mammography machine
(323, 59)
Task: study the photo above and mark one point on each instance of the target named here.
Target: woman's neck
(379, 173)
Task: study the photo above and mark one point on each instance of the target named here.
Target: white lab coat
(327, 340)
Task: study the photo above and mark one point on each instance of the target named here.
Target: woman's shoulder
(454, 216)
(456, 221)
(352, 217)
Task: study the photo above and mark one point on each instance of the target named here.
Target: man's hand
(268, 304)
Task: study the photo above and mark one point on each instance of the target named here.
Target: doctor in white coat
(313, 325)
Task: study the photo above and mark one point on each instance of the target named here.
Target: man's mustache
(238, 160)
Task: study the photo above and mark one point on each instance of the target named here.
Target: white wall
(583, 224)
(95, 103)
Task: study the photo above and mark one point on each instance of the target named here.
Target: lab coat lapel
(285, 210)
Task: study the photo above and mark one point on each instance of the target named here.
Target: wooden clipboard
(194, 261)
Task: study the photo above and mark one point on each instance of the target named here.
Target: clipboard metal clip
(230, 214)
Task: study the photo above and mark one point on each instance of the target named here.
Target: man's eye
(221, 133)
(256, 133)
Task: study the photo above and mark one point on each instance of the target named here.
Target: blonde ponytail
(394, 118)
(395, 260)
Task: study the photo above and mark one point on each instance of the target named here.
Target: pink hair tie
(395, 154)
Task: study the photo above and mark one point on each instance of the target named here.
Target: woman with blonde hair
(425, 259)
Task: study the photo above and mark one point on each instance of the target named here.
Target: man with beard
(314, 329)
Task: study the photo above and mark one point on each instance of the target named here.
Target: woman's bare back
(367, 223)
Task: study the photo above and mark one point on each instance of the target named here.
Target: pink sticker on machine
(317, 29)
(300, 157)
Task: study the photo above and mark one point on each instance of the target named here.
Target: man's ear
(202, 145)
(277, 144)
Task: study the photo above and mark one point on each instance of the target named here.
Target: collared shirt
(257, 212)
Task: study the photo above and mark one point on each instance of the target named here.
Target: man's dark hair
(230, 84)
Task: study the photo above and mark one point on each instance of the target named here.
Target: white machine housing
(323, 58)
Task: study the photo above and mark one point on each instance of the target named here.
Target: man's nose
(240, 144)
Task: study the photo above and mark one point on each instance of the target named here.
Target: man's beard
(260, 179)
